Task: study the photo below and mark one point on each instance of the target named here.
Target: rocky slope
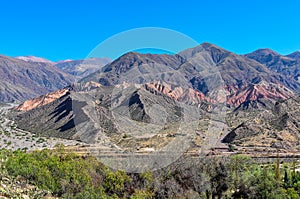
(276, 127)
(188, 95)
(259, 91)
(50, 97)
(287, 65)
(76, 68)
(294, 55)
(82, 68)
(106, 115)
(147, 100)
(22, 80)
(42, 100)
(138, 68)
(210, 70)
(26, 77)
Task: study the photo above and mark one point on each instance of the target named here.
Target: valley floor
(14, 138)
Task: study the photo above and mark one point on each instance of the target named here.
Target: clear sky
(70, 29)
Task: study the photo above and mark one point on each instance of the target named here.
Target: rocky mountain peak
(207, 50)
(34, 59)
(294, 55)
(265, 51)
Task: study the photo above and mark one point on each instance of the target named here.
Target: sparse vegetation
(67, 175)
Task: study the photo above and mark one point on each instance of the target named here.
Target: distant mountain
(206, 68)
(82, 68)
(294, 55)
(25, 77)
(77, 68)
(22, 80)
(34, 59)
(287, 65)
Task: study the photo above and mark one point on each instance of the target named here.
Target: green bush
(114, 182)
(141, 194)
(68, 175)
(58, 173)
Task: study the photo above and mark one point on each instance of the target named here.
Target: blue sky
(63, 29)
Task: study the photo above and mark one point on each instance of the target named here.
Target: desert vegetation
(67, 175)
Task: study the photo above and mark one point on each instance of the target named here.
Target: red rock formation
(231, 95)
(41, 100)
(187, 95)
(259, 91)
(50, 97)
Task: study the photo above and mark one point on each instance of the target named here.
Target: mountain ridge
(205, 90)
(22, 80)
(205, 68)
(285, 65)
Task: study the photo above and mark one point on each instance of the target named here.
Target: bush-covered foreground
(68, 175)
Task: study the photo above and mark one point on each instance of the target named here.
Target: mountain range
(286, 65)
(23, 78)
(217, 73)
(149, 98)
(82, 68)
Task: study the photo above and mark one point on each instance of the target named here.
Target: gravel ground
(13, 138)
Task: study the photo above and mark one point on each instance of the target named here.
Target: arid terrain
(201, 101)
(14, 138)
